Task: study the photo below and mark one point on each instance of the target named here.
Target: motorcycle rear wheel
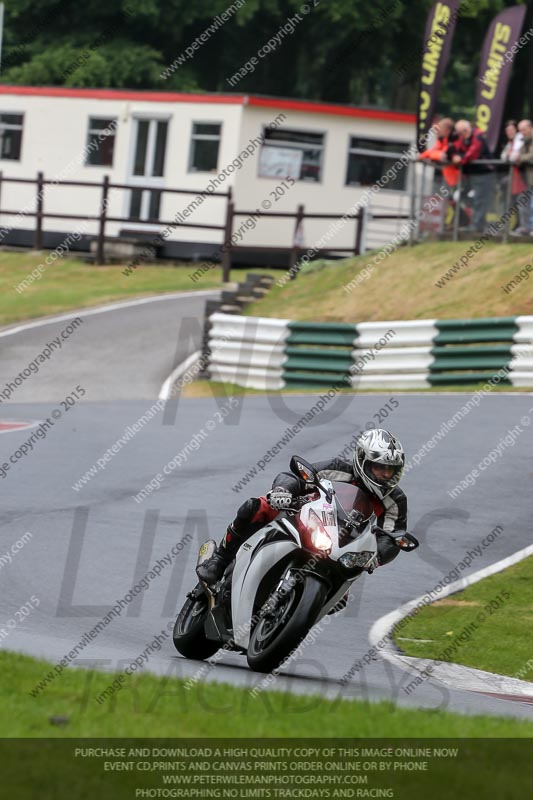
(189, 633)
(276, 636)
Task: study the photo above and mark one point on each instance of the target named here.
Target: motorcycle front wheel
(189, 633)
(276, 635)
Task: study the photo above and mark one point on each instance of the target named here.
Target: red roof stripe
(229, 99)
(122, 94)
(328, 108)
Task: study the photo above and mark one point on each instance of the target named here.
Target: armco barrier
(472, 350)
(248, 351)
(472, 331)
(318, 354)
(253, 288)
(265, 353)
(408, 332)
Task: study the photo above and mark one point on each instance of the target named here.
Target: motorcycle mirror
(303, 469)
(406, 541)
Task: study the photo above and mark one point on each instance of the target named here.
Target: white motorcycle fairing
(248, 574)
(249, 571)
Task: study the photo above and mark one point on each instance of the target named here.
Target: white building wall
(54, 141)
(330, 195)
(55, 138)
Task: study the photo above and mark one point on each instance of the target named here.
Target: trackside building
(273, 154)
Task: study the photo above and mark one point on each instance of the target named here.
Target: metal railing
(491, 199)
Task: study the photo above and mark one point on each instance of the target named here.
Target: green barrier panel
(473, 350)
(455, 378)
(489, 329)
(459, 337)
(322, 333)
(321, 338)
(452, 361)
(318, 364)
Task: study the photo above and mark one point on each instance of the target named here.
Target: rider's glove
(279, 498)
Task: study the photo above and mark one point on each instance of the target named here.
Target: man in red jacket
(470, 147)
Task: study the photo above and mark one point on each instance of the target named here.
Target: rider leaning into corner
(377, 466)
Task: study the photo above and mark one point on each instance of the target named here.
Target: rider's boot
(251, 515)
(212, 569)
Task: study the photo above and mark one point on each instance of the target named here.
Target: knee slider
(245, 515)
(248, 509)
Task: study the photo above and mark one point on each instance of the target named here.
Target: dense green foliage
(347, 51)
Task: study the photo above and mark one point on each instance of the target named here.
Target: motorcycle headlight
(316, 534)
(321, 540)
(353, 560)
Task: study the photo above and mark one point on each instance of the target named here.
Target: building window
(150, 148)
(10, 136)
(290, 153)
(145, 205)
(205, 144)
(368, 162)
(101, 142)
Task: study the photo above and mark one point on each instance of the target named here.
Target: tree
(345, 51)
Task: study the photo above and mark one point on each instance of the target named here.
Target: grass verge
(70, 284)
(151, 706)
(501, 642)
(402, 286)
(206, 388)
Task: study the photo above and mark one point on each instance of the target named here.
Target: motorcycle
(286, 577)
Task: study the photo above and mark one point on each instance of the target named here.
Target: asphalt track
(89, 547)
(122, 350)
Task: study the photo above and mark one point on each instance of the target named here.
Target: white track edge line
(166, 388)
(92, 311)
(383, 626)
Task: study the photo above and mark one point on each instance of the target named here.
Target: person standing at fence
(525, 159)
(446, 175)
(510, 154)
(470, 147)
(444, 129)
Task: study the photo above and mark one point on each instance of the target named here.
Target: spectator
(444, 129)
(471, 146)
(525, 158)
(510, 154)
(438, 153)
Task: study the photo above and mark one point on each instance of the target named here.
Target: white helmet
(381, 447)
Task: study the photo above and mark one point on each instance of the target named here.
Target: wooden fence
(102, 217)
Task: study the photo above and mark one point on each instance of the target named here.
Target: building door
(147, 168)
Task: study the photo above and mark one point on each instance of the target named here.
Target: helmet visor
(385, 476)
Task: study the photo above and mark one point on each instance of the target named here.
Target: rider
(377, 466)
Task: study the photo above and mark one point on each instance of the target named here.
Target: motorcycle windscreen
(351, 498)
